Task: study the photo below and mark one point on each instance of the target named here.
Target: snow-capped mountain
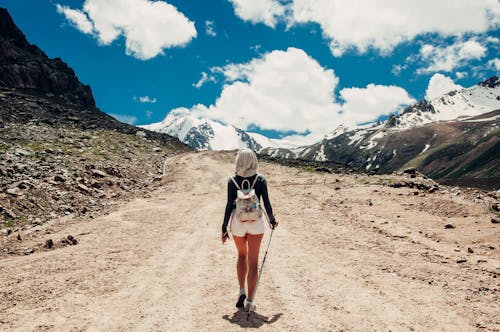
(421, 135)
(473, 101)
(205, 134)
(433, 136)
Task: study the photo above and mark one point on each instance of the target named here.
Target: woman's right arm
(231, 196)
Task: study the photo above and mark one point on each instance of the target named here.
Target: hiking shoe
(241, 299)
(250, 307)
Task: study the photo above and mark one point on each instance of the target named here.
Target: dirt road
(349, 255)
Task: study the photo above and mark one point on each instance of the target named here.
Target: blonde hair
(246, 163)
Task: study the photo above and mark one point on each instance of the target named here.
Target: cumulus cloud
(439, 85)
(448, 58)
(147, 26)
(368, 104)
(381, 25)
(77, 18)
(289, 91)
(259, 11)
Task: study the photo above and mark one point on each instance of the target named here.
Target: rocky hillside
(25, 66)
(59, 154)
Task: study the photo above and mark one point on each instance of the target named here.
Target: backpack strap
(255, 181)
(239, 188)
(235, 183)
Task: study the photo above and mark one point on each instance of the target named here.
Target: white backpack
(247, 202)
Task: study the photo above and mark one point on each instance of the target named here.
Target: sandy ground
(348, 256)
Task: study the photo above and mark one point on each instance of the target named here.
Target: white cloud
(381, 24)
(204, 79)
(494, 64)
(290, 91)
(447, 58)
(147, 26)
(210, 28)
(259, 11)
(367, 104)
(147, 99)
(77, 18)
(439, 85)
(130, 119)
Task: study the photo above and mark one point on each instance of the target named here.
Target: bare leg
(253, 262)
(241, 266)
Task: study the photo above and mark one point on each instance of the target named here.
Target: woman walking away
(246, 221)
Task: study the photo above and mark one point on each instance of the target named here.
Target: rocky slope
(25, 66)
(59, 154)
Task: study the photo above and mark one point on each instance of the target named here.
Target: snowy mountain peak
(337, 131)
(203, 134)
(478, 99)
(492, 82)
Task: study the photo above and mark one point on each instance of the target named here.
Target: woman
(247, 235)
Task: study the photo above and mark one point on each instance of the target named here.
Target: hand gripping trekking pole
(260, 273)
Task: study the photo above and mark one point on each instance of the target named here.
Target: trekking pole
(260, 273)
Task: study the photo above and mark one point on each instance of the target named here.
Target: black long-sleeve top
(260, 190)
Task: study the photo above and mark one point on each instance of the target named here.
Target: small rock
(410, 170)
(19, 238)
(37, 221)
(83, 187)
(15, 185)
(98, 173)
(13, 191)
(21, 152)
(470, 251)
(59, 178)
(432, 190)
(495, 220)
(461, 260)
(7, 212)
(141, 134)
(49, 244)
(322, 169)
(72, 240)
(449, 226)
(495, 207)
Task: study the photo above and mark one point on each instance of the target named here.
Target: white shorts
(240, 229)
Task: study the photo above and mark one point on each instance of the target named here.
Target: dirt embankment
(349, 255)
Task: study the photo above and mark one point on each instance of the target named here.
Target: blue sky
(276, 67)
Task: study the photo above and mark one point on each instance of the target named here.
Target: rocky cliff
(25, 66)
